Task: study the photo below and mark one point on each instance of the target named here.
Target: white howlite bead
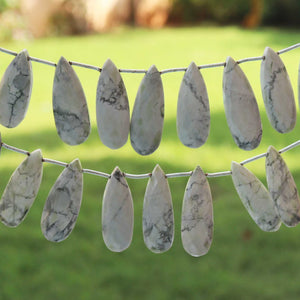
(21, 190)
(117, 213)
(240, 106)
(193, 113)
(197, 215)
(256, 198)
(277, 92)
(69, 105)
(15, 90)
(63, 204)
(158, 216)
(112, 107)
(282, 188)
(148, 114)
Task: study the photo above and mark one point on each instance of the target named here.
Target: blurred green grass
(243, 263)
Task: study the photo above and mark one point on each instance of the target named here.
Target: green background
(243, 262)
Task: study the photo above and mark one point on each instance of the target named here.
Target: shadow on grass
(281, 36)
(241, 256)
(240, 259)
(220, 133)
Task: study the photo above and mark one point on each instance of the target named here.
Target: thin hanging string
(147, 175)
(87, 66)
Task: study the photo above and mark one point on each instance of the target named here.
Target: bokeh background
(243, 262)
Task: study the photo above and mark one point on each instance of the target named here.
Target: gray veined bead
(117, 213)
(193, 113)
(112, 107)
(197, 215)
(15, 90)
(69, 105)
(158, 216)
(63, 204)
(277, 92)
(256, 198)
(21, 190)
(240, 106)
(148, 114)
(282, 188)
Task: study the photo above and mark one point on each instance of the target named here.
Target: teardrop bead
(69, 105)
(117, 213)
(256, 198)
(282, 188)
(148, 114)
(197, 215)
(63, 204)
(277, 92)
(240, 106)
(158, 216)
(21, 190)
(193, 113)
(15, 90)
(112, 107)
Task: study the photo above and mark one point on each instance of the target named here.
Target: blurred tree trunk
(254, 17)
(37, 14)
(102, 15)
(152, 13)
(44, 17)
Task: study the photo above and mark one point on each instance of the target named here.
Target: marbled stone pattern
(112, 107)
(193, 113)
(63, 204)
(197, 215)
(277, 92)
(282, 188)
(240, 106)
(69, 105)
(256, 198)
(15, 90)
(21, 190)
(148, 114)
(158, 216)
(117, 213)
